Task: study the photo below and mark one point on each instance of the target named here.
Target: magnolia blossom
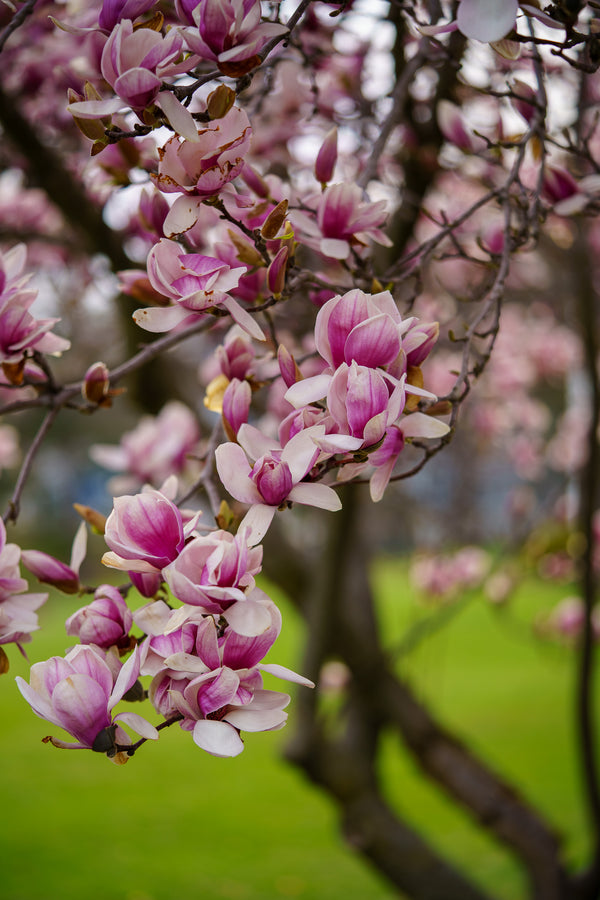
(195, 283)
(344, 219)
(114, 10)
(79, 692)
(200, 169)
(214, 570)
(218, 687)
(227, 31)
(105, 621)
(134, 62)
(359, 327)
(276, 475)
(17, 609)
(145, 532)
(157, 447)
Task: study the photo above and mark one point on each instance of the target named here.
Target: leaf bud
(220, 101)
(96, 383)
(274, 221)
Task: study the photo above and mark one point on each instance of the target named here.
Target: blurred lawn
(177, 823)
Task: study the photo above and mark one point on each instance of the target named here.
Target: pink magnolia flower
(362, 403)
(145, 532)
(114, 10)
(134, 62)
(359, 327)
(200, 169)
(195, 283)
(344, 219)
(227, 31)
(216, 573)
(79, 692)
(218, 687)
(276, 475)
(17, 609)
(21, 333)
(105, 621)
(159, 446)
(236, 406)
(12, 277)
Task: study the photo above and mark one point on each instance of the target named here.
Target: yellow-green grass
(175, 823)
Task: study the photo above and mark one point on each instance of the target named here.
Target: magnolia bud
(288, 366)
(236, 406)
(274, 221)
(326, 158)
(277, 271)
(52, 571)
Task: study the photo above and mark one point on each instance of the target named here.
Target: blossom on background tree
(318, 240)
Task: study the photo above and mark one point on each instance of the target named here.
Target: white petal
(420, 425)
(243, 318)
(308, 390)
(248, 618)
(316, 495)
(217, 738)
(138, 724)
(257, 520)
(179, 117)
(285, 673)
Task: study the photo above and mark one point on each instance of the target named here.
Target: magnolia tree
(314, 212)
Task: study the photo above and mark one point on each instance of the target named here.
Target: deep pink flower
(344, 219)
(226, 31)
(359, 327)
(216, 684)
(213, 571)
(105, 621)
(114, 10)
(134, 62)
(145, 532)
(236, 406)
(362, 403)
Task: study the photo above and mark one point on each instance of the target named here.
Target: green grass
(175, 823)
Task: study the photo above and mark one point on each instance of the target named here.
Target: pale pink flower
(79, 692)
(17, 609)
(276, 475)
(195, 283)
(200, 169)
(159, 446)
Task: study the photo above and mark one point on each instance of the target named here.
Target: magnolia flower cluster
(204, 657)
(359, 409)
